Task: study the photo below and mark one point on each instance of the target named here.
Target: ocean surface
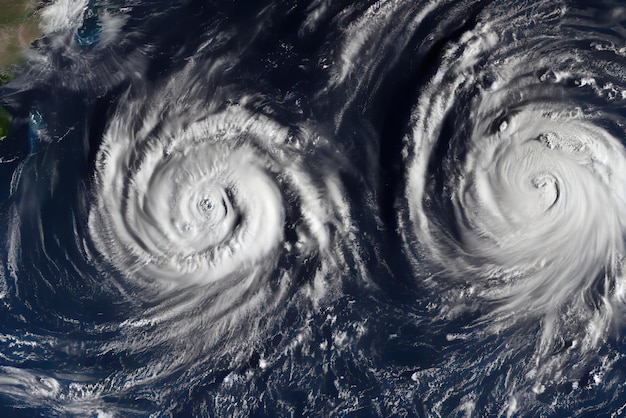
(325, 208)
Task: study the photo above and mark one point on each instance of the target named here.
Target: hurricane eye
(207, 205)
(214, 208)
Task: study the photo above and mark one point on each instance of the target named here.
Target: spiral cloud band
(515, 190)
(198, 206)
(202, 208)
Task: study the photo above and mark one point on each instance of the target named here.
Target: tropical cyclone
(514, 188)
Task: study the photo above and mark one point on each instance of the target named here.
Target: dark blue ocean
(401, 208)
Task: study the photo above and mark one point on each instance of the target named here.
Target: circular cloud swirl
(193, 206)
(540, 198)
(514, 188)
(210, 214)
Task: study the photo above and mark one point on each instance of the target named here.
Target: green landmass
(19, 27)
(5, 121)
(14, 11)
